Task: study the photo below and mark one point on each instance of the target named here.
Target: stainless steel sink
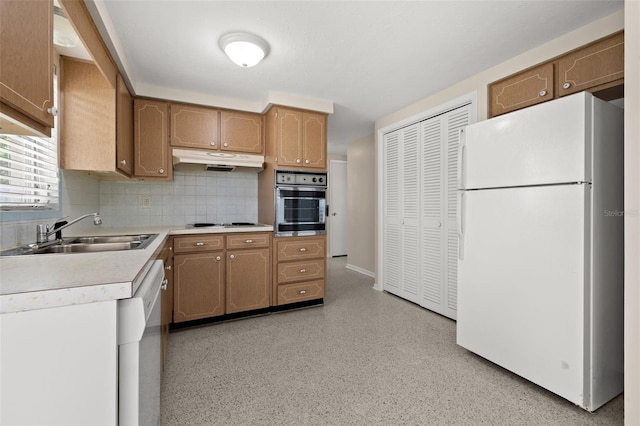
(86, 245)
(88, 248)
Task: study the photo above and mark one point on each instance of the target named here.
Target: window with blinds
(28, 173)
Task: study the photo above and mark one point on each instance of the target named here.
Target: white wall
(632, 216)
(361, 187)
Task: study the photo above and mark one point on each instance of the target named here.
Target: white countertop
(51, 280)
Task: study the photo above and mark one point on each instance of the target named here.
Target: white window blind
(28, 173)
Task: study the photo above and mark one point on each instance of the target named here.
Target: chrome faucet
(43, 231)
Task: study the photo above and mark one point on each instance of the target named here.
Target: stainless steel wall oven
(301, 203)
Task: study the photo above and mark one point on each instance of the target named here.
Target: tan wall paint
(361, 187)
(632, 219)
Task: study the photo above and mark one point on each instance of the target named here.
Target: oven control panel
(301, 178)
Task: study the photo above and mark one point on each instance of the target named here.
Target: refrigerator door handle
(460, 165)
(460, 224)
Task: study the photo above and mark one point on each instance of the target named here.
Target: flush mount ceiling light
(244, 49)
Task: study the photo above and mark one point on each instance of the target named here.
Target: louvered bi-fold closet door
(401, 256)
(439, 139)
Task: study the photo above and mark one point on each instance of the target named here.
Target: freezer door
(545, 144)
(521, 283)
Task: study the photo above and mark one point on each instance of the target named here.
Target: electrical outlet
(146, 201)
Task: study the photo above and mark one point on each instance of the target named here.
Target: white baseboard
(361, 270)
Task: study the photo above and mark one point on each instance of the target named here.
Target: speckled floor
(365, 357)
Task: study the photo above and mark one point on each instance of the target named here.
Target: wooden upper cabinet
(315, 140)
(595, 65)
(289, 137)
(300, 138)
(194, 127)
(524, 89)
(151, 148)
(124, 128)
(241, 132)
(26, 62)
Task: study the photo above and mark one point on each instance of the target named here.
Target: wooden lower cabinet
(217, 274)
(248, 279)
(299, 269)
(198, 285)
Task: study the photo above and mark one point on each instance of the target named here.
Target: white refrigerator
(540, 250)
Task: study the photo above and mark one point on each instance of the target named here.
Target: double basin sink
(86, 245)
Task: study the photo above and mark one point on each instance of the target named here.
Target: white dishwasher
(139, 346)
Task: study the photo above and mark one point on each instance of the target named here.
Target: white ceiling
(368, 58)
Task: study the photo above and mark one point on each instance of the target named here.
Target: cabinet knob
(123, 162)
(306, 161)
(249, 241)
(233, 256)
(213, 143)
(298, 161)
(542, 93)
(53, 111)
(200, 244)
(302, 271)
(566, 85)
(168, 268)
(218, 258)
(164, 284)
(302, 249)
(225, 144)
(161, 171)
(303, 292)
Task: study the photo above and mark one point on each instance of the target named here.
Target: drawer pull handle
(302, 250)
(200, 244)
(302, 271)
(303, 291)
(249, 241)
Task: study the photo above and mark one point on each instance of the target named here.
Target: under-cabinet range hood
(216, 161)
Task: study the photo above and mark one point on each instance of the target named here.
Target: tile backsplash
(202, 196)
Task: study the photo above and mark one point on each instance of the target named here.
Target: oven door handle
(326, 211)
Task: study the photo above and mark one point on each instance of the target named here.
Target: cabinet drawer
(239, 241)
(299, 271)
(522, 90)
(196, 243)
(299, 292)
(306, 248)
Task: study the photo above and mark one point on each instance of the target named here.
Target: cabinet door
(151, 148)
(124, 128)
(598, 64)
(194, 127)
(26, 58)
(315, 140)
(289, 139)
(248, 282)
(198, 286)
(87, 117)
(524, 89)
(241, 132)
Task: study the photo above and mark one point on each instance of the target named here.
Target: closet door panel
(431, 213)
(391, 280)
(410, 178)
